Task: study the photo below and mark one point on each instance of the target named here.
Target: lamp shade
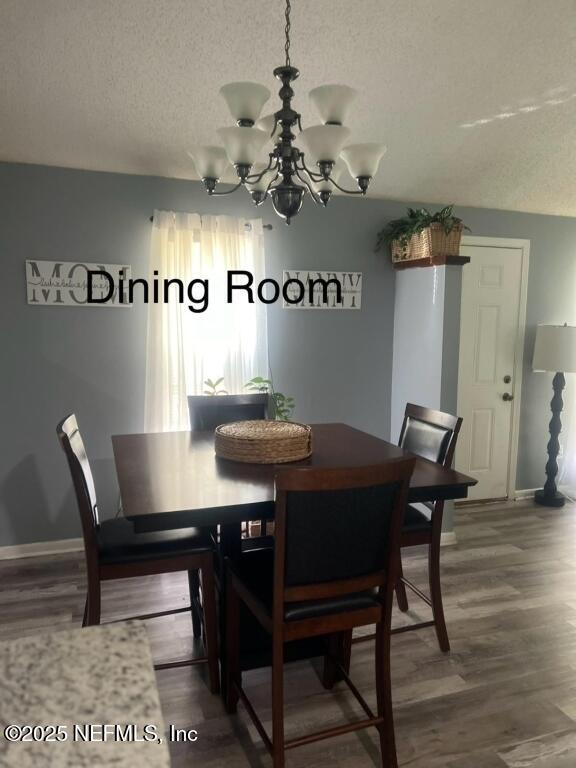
(325, 142)
(363, 159)
(555, 348)
(245, 100)
(266, 124)
(332, 102)
(210, 162)
(242, 144)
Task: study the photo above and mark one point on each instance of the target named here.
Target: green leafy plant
(414, 222)
(283, 406)
(212, 387)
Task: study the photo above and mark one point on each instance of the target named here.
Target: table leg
(230, 547)
(340, 648)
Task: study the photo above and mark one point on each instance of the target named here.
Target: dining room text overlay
(238, 285)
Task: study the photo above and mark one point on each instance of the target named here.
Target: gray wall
(337, 364)
(91, 360)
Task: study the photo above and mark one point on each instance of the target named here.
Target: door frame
(524, 247)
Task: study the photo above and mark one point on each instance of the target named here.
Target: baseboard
(41, 548)
(524, 493)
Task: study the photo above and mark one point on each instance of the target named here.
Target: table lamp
(554, 350)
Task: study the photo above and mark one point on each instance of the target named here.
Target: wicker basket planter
(263, 442)
(431, 243)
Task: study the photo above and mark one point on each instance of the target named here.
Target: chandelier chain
(287, 32)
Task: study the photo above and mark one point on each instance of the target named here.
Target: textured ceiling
(476, 99)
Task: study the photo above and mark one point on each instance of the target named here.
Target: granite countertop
(93, 676)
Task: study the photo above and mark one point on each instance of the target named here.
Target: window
(226, 340)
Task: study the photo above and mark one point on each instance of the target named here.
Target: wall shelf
(436, 261)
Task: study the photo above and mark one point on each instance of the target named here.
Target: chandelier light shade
(363, 159)
(325, 141)
(270, 126)
(289, 173)
(333, 102)
(242, 145)
(210, 162)
(245, 101)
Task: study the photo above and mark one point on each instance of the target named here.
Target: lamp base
(549, 500)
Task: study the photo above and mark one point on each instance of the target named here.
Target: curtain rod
(247, 224)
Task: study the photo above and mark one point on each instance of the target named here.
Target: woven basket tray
(431, 242)
(263, 442)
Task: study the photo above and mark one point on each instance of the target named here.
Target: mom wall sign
(65, 284)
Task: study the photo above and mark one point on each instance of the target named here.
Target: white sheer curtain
(227, 340)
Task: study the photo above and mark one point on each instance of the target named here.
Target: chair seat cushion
(255, 569)
(415, 520)
(118, 542)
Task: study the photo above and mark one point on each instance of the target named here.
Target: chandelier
(287, 176)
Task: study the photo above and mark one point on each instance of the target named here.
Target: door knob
(507, 397)
(507, 379)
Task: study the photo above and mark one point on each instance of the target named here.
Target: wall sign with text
(324, 290)
(65, 283)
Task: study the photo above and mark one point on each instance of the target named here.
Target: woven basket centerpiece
(263, 442)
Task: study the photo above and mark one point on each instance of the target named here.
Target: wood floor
(505, 697)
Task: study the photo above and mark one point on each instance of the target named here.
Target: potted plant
(282, 405)
(213, 387)
(422, 235)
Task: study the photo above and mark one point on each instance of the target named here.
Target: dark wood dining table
(175, 480)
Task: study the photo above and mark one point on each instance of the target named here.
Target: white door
(490, 365)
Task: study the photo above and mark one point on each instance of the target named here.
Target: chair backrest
(430, 434)
(337, 530)
(209, 411)
(73, 445)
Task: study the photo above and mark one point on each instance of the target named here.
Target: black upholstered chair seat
(119, 543)
(415, 520)
(256, 570)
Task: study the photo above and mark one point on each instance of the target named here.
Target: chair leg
(436, 594)
(278, 702)
(194, 584)
(92, 613)
(401, 596)
(232, 645)
(85, 619)
(210, 620)
(384, 697)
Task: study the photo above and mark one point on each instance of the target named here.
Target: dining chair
(114, 550)
(333, 567)
(209, 411)
(432, 435)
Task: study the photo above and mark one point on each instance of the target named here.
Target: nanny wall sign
(330, 290)
(65, 284)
